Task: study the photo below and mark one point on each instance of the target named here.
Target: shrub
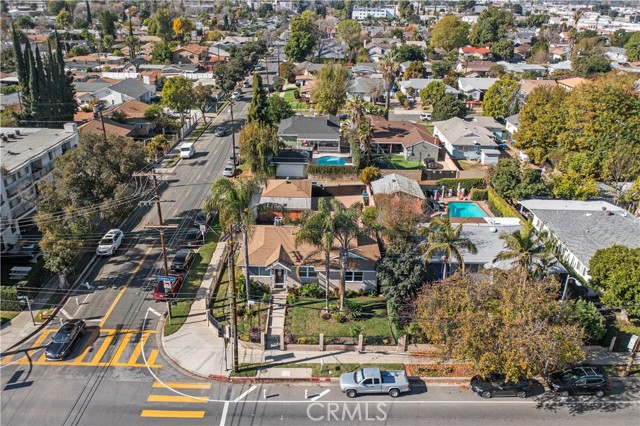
(311, 290)
(321, 169)
(401, 97)
(291, 299)
(296, 94)
(9, 299)
(340, 317)
(499, 206)
(351, 309)
(478, 194)
(369, 174)
(586, 314)
(467, 183)
(355, 330)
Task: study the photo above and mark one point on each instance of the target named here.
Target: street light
(564, 292)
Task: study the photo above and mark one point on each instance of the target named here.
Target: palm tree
(526, 248)
(443, 238)
(232, 200)
(357, 107)
(317, 230)
(364, 134)
(390, 68)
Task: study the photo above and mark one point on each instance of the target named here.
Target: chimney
(71, 128)
(436, 140)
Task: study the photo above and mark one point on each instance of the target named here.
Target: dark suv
(579, 380)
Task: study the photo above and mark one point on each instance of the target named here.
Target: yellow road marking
(122, 290)
(181, 385)
(176, 398)
(173, 414)
(122, 347)
(138, 349)
(152, 357)
(103, 348)
(7, 358)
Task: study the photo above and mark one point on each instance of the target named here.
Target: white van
(187, 150)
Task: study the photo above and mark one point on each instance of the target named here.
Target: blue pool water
(465, 210)
(330, 160)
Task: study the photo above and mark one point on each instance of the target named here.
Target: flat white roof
(569, 205)
(31, 143)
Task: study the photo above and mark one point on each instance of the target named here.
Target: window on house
(308, 272)
(259, 271)
(353, 276)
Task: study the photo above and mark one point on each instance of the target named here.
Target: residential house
(420, 83)
(134, 111)
(134, 65)
(523, 67)
(111, 127)
(522, 36)
(28, 156)
(580, 228)
(365, 70)
(528, 86)
(465, 139)
(564, 66)
(479, 68)
(276, 260)
(191, 53)
(292, 163)
(377, 50)
(512, 123)
(365, 87)
(559, 53)
(284, 198)
(569, 84)
(616, 54)
(117, 93)
(321, 133)
(481, 53)
(474, 88)
(522, 52)
(411, 140)
(362, 13)
(397, 185)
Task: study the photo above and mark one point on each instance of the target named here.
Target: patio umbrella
(458, 188)
(442, 190)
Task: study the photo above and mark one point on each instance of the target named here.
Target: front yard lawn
(6, 316)
(304, 319)
(291, 100)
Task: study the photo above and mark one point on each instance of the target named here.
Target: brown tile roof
(82, 117)
(133, 108)
(287, 188)
(476, 66)
(527, 86)
(478, 50)
(271, 244)
(193, 48)
(403, 132)
(572, 82)
(110, 126)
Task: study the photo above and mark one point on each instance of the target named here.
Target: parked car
(229, 170)
(167, 286)
(233, 160)
(64, 340)
(497, 385)
(374, 380)
(202, 218)
(425, 116)
(110, 242)
(246, 84)
(182, 260)
(193, 238)
(579, 380)
(220, 131)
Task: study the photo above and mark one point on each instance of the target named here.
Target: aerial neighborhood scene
(307, 212)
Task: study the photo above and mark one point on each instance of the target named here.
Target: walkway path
(275, 328)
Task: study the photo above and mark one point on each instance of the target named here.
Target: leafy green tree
(78, 50)
(586, 314)
(621, 164)
(449, 33)
(409, 52)
(178, 95)
(397, 33)
(56, 6)
(616, 272)
(432, 94)
(156, 114)
(258, 143)
(441, 68)
(466, 6)
(63, 19)
(506, 322)
(369, 174)
(158, 144)
(502, 49)
(513, 180)
(501, 99)
(492, 25)
(574, 186)
(277, 110)
(349, 32)
(89, 18)
(396, 222)
(444, 240)
(330, 92)
(401, 278)
(202, 99)
(448, 106)
(163, 25)
(620, 38)
(537, 20)
(302, 39)
(633, 47)
(258, 107)
(415, 70)
(288, 71)
(107, 23)
(588, 65)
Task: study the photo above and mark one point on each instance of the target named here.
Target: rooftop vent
(493, 229)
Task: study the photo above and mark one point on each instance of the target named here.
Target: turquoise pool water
(330, 160)
(465, 210)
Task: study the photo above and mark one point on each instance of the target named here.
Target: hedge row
(466, 183)
(9, 299)
(478, 194)
(498, 206)
(321, 169)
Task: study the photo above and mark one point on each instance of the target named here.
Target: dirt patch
(440, 370)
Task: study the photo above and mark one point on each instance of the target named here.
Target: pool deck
(482, 204)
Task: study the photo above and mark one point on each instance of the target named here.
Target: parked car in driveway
(192, 238)
(579, 380)
(167, 286)
(110, 242)
(64, 340)
(182, 260)
(497, 385)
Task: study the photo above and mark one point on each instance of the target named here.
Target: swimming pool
(330, 160)
(465, 210)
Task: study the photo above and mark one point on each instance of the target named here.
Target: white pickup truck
(373, 380)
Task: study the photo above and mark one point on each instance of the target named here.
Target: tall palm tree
(346, 229)
(444, 239)
(231, 198)
(526, 248)
(317, 230)
(390, 68)
(357, 108)
(365, 134)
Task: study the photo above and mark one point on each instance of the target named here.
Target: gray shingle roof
(131, 87)
(394, 183)
(324, 127)
(461, 132)
(468, 84)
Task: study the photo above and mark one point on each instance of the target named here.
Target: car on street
(64, 340)
(246, 84)
(496, 384)
(220, 131)
(425, 116)
(229, 170)
(202, 218)
(192, 238)
(579, 380)
(167, 286)
(110, 242)
(182, 260)
(374, 380)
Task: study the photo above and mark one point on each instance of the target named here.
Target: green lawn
(180, 310)
(304, 319)
(396, 161)
(291, 100)
(7, 316)
(328, 370)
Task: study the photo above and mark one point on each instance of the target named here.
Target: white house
(362, 13)
(466, 139)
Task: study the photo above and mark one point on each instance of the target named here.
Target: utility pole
(233, 132)
(98, 110)
(234, 307)
(160, 226)
(632, 357)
